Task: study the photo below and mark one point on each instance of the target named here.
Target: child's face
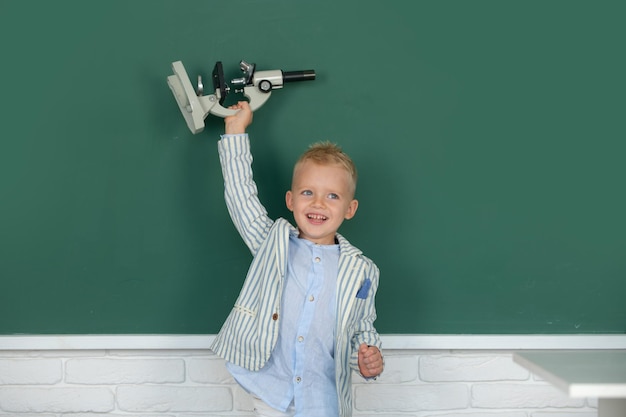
(321, 197)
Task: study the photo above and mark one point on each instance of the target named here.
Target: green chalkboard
(489, 136)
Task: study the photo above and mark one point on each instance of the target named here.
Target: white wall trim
(390, 342)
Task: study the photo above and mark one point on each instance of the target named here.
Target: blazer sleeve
(240, 191)
(364, 331)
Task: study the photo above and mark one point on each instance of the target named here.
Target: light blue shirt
(301, 369)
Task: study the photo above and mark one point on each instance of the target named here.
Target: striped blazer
(250, 331)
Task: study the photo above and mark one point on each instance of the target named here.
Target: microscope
(257, 86)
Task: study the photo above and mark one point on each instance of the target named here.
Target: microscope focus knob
(265, 86)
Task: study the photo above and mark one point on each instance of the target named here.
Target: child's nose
(319, 201)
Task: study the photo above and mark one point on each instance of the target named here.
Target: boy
(304, 318)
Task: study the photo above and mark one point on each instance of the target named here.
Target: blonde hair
(328, 153)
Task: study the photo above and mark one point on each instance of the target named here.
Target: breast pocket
(365, 289)
(360, 301)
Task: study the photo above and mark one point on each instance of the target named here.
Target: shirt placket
(314, 283)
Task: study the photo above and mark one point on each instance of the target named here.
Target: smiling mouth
(316, 217)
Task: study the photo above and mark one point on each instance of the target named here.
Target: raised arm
(240, 192)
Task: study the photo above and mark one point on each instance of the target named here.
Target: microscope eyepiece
(305, 75)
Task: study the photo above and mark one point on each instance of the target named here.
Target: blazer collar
(345, 248)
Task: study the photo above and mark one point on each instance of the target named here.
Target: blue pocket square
(365, 288)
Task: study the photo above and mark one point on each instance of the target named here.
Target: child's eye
(307, 192)
(333, 196)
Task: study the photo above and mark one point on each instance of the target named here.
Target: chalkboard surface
(489, 136)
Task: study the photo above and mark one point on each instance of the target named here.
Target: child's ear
(354, 204)
(289, 200)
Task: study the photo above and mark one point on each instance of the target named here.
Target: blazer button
(275, 316)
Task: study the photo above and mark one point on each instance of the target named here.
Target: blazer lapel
(349, 280)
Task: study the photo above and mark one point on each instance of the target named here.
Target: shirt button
(275, 316)
(298, 379)
(317, 259)
(300, 339)
(311, 298)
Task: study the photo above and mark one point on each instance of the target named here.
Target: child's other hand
(237, 123)
(370, 361)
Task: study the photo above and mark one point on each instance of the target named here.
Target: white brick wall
(194, 383)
